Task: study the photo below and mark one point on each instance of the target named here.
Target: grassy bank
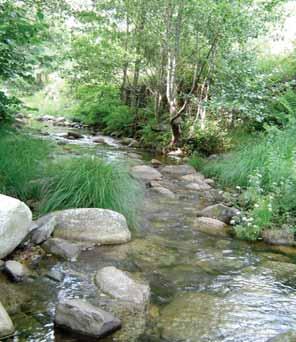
(263, 173)
(29, 172)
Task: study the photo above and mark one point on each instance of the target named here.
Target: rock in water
(16, 270)
(99, 226)
(164, 191)
(6, 326)
(43, 229)
(198, 186)
(81, 317)
(219, 212)
(62, 248)
(15, 221)
(145, 173)
(211, 226)
(179, 170)
(279, 237)
(120, 285)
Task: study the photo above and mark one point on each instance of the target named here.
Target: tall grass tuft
(272, 155)
(27, 173)
(90, 182)
(22, 164)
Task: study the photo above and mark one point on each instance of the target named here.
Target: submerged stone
(219, 212)
(62, 248)
(82, 317)
(6, 325)
(179, 170)
(122, 286)
(145, 173)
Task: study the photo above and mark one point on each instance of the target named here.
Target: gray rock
(145, 173)
(193, 178)
(156, 162)
(164, 191)
(62, 248)
(122, 286)
(198, 186)
(219, 212)
(6, 325)
(55, 275)
(210, 181)
(2, 263)
(16, 270)
(98, 226)
(211, 226)
(81, 317)
(279, 237)
(44, 227)
(74, 135)
(129, 142)
(15, 221)
(99, 140)
(179, 170)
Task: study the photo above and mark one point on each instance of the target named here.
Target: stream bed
(204, 288)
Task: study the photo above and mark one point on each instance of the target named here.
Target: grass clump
(22, 164)
(48, 184)
(88, 182)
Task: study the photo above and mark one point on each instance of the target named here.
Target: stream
(204, 288)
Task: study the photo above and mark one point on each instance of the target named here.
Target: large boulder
(6, 325)
(83, 318)
(145, 173)
(219, 212)
(99, 226)
(211, 226)
(15, 221)
(279, 237)
(179, 170)
(122, 286)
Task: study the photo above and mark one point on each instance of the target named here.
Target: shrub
(102, 105)
(90, 182)
(210, 140)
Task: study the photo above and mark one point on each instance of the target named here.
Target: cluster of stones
(59, 121)
(66, 234)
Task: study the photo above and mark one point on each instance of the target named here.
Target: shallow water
(204, 288)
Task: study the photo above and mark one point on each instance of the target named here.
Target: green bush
(210, 140)
(101, 105)
(8, 107)
(90, 182)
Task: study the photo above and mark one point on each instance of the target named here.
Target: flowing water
(204, 288)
